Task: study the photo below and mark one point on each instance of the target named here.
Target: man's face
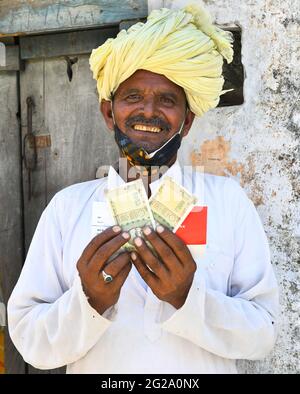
(149, 108)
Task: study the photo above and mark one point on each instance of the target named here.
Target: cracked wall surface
(257, 144)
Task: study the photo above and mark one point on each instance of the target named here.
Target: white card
(197, 251)
(101, 218)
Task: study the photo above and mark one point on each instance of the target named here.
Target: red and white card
(193, 229)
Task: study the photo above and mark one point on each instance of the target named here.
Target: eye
(167, 100)
(133, 97)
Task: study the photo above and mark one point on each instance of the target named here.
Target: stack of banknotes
(132, 210)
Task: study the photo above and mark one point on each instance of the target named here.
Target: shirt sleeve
(51, 326)
(242, 323)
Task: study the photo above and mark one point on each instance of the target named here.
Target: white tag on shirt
(101, 218)
(197, 251)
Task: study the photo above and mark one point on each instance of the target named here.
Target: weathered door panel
(11, 240)
(80, 141)
(32, 86)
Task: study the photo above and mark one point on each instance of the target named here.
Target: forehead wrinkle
(152, 90)
(143, 80)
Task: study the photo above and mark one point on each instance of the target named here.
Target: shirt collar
(115, 180)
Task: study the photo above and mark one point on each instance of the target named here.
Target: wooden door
(11, 234)
(64, 136)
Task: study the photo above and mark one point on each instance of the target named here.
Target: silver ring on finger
(106, 277)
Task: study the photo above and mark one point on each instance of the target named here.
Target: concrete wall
(258, 144)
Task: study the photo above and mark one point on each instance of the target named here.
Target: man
(173, 311)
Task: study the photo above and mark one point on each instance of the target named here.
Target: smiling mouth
(150, 129)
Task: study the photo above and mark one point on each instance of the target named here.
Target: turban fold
(183, 45)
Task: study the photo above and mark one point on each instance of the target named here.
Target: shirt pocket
(216, 265)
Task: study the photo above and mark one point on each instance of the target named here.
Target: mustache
(153, 122)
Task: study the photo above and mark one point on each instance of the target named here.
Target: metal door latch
(29, 146)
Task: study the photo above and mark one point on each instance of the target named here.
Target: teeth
(146, 128)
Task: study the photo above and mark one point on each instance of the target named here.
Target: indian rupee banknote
(171, 204)
(130, 208)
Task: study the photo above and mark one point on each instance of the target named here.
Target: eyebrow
(134, 91)
(131, 91)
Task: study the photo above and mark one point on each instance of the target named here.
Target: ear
(189, 119)
(105, 108)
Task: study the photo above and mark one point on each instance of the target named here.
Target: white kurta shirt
(230, 312)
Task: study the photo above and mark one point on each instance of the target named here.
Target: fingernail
(126, 235)
(159, 229)
(147, 230)
(133, 256)
(116, 229)
(138, 241)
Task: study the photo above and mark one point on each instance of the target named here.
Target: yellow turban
(183, 45)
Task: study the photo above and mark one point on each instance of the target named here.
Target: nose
(149, 107)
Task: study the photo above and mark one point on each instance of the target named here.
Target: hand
(173, 270)
(102, 295)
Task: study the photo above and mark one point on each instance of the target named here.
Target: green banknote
(130, 208)
(171, 204)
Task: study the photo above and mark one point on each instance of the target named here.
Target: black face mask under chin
(139, 156)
